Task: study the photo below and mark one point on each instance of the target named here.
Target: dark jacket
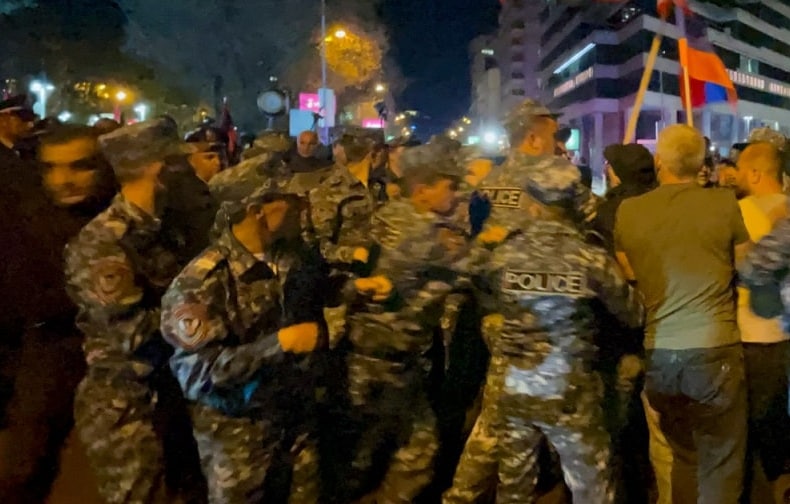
(34, 233)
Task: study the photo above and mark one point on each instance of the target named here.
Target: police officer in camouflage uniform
(388, 360)
(540, 285)
(531, 129)
(117, 269)
(342, 205)
(239, 317)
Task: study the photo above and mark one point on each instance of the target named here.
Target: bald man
(765, 345)
(304, 160)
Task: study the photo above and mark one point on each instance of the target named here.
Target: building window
(487, 52)
(518, 92)
(517, 75)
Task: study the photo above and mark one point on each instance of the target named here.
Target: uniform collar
(135, 214)
(240, 259)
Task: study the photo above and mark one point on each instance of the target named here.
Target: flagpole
(630, 131)
(680, 21)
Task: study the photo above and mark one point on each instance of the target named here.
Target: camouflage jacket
(117, 269)
(222, 315)
(415, 251)
(542, 287)
(765, 271)
(340, 211)
(507, 185)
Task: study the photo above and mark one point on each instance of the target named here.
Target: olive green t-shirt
(679, 240)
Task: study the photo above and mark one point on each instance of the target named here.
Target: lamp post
(322, 94)
(42, 90)
(120, 96)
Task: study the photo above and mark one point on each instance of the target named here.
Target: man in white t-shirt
(766, 345)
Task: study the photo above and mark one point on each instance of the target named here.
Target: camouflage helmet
(778, 140)
(770, 136)
(428, 163)
(129, 148)
(521, 119)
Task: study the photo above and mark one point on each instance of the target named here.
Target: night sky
(430, 41)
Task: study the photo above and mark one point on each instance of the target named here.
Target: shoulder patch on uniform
(113, 282)
(503, 197)
(569, 284)
(191, 326)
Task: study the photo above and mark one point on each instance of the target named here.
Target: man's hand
(492, 235)
(361, 254)
(378, 287)
(299, 338)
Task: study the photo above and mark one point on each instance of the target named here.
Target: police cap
(136, 145)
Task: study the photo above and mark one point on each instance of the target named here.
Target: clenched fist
(299, 338)
(379, 287)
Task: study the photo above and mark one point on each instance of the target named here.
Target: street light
(42, 90)
(380, 88)
(340, 33)
(120, 96)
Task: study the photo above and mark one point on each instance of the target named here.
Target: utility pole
(322, 93)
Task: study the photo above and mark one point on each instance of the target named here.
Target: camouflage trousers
(391, 414)
(113, 416)
(504, 443)
(238, 454)
(573, 425)
(477, 469)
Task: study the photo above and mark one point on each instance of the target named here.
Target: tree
(240, 44)
(74, 44)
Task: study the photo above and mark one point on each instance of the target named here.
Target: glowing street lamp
(120, 96)
(380, 88)
(340, 33)
(42, 90)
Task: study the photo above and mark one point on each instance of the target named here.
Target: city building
(592, 58)
(486, 81)
(516, 44)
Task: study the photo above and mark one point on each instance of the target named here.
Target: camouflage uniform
(116, 270)
(540, 286)
(764, 271)
(222, 315)
(388, 359)
(340, 211)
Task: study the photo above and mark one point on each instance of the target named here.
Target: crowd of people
(392, 323)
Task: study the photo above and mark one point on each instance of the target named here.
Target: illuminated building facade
(591, 60)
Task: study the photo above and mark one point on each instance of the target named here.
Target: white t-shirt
(756, 211)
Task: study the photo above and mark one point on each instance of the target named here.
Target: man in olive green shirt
(679, 243)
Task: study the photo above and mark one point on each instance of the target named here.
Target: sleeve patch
(191, 326)
(113, 282)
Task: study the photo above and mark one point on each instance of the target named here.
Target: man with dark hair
(630, 172)
(390, 345)
(242, 322)
(72, 185)
(117, 269)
